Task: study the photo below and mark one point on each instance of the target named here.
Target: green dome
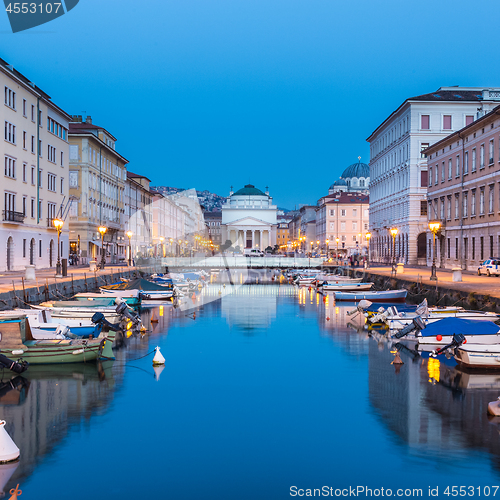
(249, 190)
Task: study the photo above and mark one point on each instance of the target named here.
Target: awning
(97, 243)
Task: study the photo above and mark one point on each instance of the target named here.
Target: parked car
(490, 267)
(253, 252)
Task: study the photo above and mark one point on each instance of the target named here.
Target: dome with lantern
(355, 178)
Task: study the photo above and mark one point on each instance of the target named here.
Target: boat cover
(137, 284)
(450, 326)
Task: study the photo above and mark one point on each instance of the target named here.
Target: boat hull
(387, 296)
(346, 287)
(487, 357)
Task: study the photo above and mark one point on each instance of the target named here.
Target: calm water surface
(263, 389)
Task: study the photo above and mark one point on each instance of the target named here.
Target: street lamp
(129, 234)
(337, 241)
(58, 224)
(368, 236)
(162, 239)
(327, 241)
(102, 230)
(394, 232)
(434, 227)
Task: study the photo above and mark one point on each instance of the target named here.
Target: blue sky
(213, 93)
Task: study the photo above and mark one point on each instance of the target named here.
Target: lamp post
(102, 230)
(327, 241)
(368, 236)
(162, 239)
(434, 227)
(337, 241)
(58, 224)
(129, 234)
(394, 232)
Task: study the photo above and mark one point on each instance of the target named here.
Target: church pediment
(249, 221)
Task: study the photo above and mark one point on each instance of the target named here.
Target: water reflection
(222, 395)
(42, 405)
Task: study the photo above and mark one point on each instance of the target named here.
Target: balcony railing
(11, 216)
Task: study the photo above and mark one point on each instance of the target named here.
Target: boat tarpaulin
(137, 284)
(450, 326)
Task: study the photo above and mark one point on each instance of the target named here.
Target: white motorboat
(344, 287)
(479, 356)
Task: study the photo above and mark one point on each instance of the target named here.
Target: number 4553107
(33, 8)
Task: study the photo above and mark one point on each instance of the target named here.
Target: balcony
(11, 216)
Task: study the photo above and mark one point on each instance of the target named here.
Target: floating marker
(158, 369)
(397, 360)
(158, 359)
(8, 449)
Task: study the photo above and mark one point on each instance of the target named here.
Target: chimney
(88, 120)
(77, 118)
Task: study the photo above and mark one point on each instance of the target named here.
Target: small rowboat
(18, 344)
(345, 287)
(384, 296)
(479, 356)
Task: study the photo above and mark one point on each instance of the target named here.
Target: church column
(253, 238)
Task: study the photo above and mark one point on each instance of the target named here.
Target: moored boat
(18, 344)
(383, 296)
(344, 287)
(478, 356)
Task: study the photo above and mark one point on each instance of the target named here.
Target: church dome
(337, 183)
(356, 170)
(249, 190)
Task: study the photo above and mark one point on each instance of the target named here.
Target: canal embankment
(473, 292)
(15, 291)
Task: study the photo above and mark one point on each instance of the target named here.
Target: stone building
(464, 194)
(97, 175)
(249, 218)
(398, 166)
(35, 183)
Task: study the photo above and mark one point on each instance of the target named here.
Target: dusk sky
(209, 94)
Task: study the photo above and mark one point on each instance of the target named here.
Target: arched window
(361, 182)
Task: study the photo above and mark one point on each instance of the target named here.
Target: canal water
(267, 390)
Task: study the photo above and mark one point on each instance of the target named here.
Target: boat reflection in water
(42, 405)
(432, 404)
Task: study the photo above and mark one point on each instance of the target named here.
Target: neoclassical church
(355, 178)
(249, 218)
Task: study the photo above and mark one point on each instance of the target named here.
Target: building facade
(139, 215)
(343, 215)
(249, 218)
(464, 194)
(35, 183)
(213, 221)
(97, 175)
(398, 166)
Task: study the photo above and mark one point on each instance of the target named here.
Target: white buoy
(8, 449)
(158, 369)
(158, 359)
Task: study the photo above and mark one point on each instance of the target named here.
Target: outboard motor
(13, 366)
(457, 341)
(123, 310)
(62, 331)
(416, 325)
(99, 319)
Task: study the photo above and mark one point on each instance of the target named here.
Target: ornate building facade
(249, 218)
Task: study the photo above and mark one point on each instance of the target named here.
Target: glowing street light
(129, 234)
(434, 226)
(368, 236)
(58, 224)
(102, 230)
